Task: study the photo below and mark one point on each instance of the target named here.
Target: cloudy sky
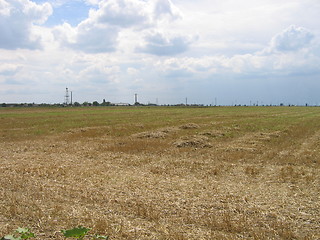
(229, 52)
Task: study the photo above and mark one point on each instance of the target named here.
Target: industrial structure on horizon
(67, 100)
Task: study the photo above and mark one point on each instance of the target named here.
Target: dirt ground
(194, 180)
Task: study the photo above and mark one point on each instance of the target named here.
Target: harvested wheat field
(162, 172)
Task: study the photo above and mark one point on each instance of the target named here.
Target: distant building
(121, 104)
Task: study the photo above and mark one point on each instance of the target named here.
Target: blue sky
(72, 12)
(237, 52)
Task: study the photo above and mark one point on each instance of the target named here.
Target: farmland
(162, 172)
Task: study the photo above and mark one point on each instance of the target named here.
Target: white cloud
(17, 18)
(122, 13)
(9, 69)
(293, 52)
(92, 2)
(100, 73)
(291, 39)
(4, 8)
(165, 9)
(100, 32)
(87, 37)
(161, 45)
(132, 71)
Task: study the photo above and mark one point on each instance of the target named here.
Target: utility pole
(66, 97)
(135, 98)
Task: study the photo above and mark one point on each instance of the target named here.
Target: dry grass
(215, 173)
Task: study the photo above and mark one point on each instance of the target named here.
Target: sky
(166, 51)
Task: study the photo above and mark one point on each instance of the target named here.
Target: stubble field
(162, 172)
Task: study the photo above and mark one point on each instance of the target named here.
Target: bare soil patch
(160, 133)
(193, 142)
